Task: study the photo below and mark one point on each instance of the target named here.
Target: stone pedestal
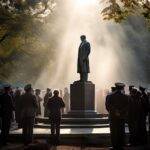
(82, 100)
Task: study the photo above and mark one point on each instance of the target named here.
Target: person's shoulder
(60, 99)
(107, 96)
(125, 96)
(51, 98)
(88, 43)
(112, 94)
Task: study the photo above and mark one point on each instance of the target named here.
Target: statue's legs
(83, 76)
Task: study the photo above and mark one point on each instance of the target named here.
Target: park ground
(19, 146)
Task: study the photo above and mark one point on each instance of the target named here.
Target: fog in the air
(111, 59)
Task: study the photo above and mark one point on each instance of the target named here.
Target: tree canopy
(17, 17)
(119, 10)
(21, 26)
(27, 43)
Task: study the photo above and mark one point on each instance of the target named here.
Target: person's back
(28, 108)
(107, 102)
(118, 103)
(117, 106)
(54, 105)
(28, 105)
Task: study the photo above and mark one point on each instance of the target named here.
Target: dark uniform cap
(27, 87)
(113, 88)
(142, 88)
(119, 85)
(131, 87)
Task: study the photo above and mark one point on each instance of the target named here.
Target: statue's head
(83, 38)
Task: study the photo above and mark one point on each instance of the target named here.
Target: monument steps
(103, 120)
(63, 126)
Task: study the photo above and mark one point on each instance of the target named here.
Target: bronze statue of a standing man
(83, 60)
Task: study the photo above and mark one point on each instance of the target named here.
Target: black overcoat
(83, 60)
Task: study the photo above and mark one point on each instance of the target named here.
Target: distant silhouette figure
(17, 98)
(117, 104)
(66, 99)
(7, 108)
(29, 108)
(83, 60)
(46, 98)
(54, 105)
(39, 100)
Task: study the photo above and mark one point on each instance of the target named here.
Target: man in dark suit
(83, 60)
(28, 107)
(117, 106)
(54, 105)
(7, 108)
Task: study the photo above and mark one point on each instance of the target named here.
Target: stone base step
(103, 120)
(69, 136)
(47, 126)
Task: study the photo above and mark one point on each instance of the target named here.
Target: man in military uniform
(7, 108)
(28, 106)
(116, 105)
(144, 114)
(54, 105)
(134, 116)
(83, 60)
(113, 89)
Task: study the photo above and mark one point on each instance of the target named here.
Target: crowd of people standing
(132, 109)
(27, 105)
